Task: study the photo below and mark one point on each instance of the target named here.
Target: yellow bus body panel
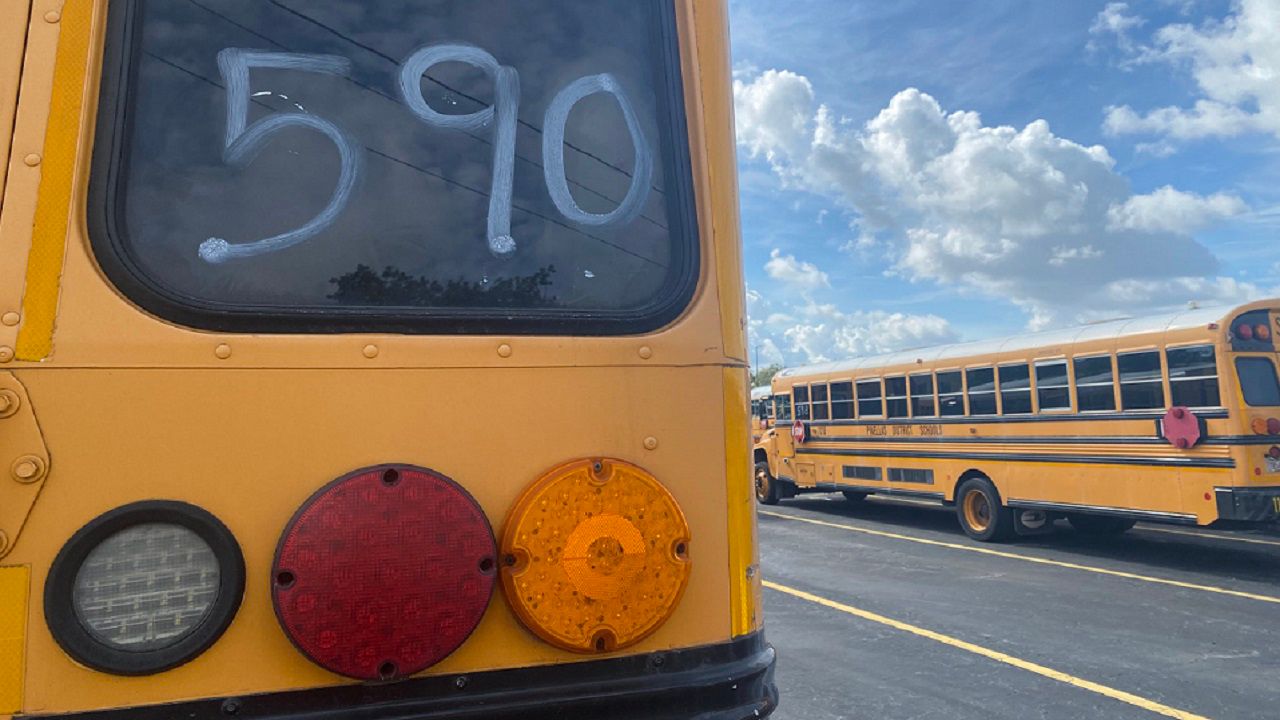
(247, 426)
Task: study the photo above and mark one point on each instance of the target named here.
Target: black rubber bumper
(732, 681)
(1249, 504)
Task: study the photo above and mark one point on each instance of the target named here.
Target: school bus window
(1015, 389)
(922, 395)
(818, 398)
(801, 394)
(416, 188)
(982, 391)
(1141, 386)
(870, 403)
(782, 407)
(951, 393)
(1095, 384)
(1193, 376)
(895, 395)
(1053, 390)
(1258, 381)
(842, 401)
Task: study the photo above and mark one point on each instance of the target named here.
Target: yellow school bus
(375, 360)
(1170, 419)
(761, 411)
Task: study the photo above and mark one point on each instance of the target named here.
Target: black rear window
(420, 165)
(1258, 381)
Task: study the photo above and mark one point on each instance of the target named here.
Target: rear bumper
(1248, 504)
(731, 681)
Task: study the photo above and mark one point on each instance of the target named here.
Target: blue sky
(931, 170)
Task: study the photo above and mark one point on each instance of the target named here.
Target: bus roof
(1110, 329)
(762, 391)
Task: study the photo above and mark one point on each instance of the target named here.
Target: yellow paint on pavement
(1072, 680)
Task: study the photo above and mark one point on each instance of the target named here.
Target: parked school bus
(377, 360)
(761, 411)
(1170, 419)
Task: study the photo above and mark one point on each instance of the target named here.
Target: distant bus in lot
(373, 360)
(761, 411)
(1172, 419)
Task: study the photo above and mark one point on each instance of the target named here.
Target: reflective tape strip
(57, 180)
(14, 583)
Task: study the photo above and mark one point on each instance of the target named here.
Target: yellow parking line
(1030, 558)
(1072, 680)
(1189, 533)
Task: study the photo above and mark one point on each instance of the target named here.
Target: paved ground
(886, 610)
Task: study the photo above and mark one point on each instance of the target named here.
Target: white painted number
(506, 100)
(553, 170)
(243, 141)
(242, 144)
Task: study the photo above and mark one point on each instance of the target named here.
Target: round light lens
(1244, 332)
(384, 572)
(146, 587)
(595, 555)
(1262, 332)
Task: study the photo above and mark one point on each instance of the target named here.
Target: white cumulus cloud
(1173, 211)
(797, 273)
(1018, 213)
(1235, 63)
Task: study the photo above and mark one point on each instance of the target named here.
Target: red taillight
(384, 572)
(1244, 332)
(1262, 332)
(1273, 426)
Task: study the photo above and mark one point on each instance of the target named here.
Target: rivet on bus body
(32, 160)
(9, 403)
(646, 352)
(223, 351)
(52, 16)
(27, 469)
(10, 318)
(651, 443)
(504, 350)
(6, 353)
(371, 351)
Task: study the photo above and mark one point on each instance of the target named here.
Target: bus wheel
(766, 486)
(853, 497)
(981, 514)
(1099, 524)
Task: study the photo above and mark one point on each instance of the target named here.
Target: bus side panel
(13, 41)
(250, 446)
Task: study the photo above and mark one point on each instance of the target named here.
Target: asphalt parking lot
(887, 610)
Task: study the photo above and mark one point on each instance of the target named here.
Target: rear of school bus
(1250, 349)
(373, 360)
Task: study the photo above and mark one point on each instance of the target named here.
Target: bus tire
(982, 516)
(766, 485)
(853, 497)
(1099, 525)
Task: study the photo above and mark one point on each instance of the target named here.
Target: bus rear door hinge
(24, 460)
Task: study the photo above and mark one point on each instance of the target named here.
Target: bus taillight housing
(384, 572)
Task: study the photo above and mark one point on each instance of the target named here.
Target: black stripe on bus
(894, 491)
(1020, 457)
(1211, 414)
(1044, 439)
